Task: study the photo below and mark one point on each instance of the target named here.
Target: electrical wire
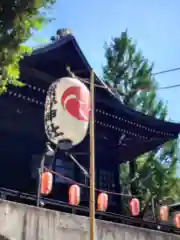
(86, 80)
(167, 71)
(134, 90)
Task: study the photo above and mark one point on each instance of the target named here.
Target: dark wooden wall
(21, 135)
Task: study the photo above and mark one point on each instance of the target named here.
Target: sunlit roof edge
(63, 41)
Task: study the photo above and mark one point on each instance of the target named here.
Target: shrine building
(121, 134)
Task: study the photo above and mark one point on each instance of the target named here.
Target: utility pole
(92, 161)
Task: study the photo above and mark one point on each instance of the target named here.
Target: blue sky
(153, 25)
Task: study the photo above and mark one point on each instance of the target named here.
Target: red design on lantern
(102, 202)
(74, 195)
(46, 183)
(177, 220)
(134, 207)
(75, 100)
(164, 214)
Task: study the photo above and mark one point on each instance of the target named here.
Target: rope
(85, 186)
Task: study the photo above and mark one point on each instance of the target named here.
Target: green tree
(130, 74)
(18, 21)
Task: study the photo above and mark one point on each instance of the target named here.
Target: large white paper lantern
(67, 108)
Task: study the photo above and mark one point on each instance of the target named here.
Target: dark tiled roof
(53, 58)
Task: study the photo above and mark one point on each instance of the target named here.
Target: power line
(167, 71)
(168, 87)
(86, 80)
(156, 73)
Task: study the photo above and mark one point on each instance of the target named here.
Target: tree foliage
(18, 21)
(130, 74)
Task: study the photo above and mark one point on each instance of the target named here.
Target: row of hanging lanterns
(74, 195)
(74, 198)
(74, 192)
(102, 199)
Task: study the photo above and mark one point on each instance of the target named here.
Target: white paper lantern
(67, 109)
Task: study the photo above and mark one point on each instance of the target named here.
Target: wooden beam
(14, 127)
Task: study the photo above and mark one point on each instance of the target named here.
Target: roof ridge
(52, 45)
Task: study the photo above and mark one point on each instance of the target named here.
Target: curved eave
(149, 121)
(59, 44)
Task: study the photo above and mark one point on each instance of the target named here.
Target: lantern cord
(85, 180)
(85, 186)
(79, 165)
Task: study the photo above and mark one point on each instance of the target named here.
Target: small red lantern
(177, 220)
(102, 202)
(46, 183)
(164, 213)
(74, 195)
(134, 207)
